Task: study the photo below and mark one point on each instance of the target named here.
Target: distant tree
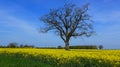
(100, 47)
(60, 47)
(68, 21)
(1, 46)
(12, 45)
(21, 46)
(28, 46)
(32, 46)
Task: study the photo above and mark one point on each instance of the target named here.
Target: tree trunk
(67, 45)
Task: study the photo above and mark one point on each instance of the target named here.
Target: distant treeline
(83, 47)
(16, 45)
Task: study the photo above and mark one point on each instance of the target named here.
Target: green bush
(60, 47)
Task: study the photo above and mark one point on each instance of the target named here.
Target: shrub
(100, 47)
(60, 47)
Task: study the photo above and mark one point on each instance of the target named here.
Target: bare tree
(68, 21)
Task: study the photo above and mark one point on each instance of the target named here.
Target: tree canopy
(68, 21)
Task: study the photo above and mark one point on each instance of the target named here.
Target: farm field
(32, 57)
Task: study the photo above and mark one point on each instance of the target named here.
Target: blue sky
(19, 22)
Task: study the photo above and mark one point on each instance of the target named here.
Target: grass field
(31, 57)
(13, 61)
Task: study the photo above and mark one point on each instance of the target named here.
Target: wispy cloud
(9, 21)
(17, 22)
(108, 17)
(106, 1)
(109, 23)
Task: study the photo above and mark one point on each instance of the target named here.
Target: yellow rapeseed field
(75, 56)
